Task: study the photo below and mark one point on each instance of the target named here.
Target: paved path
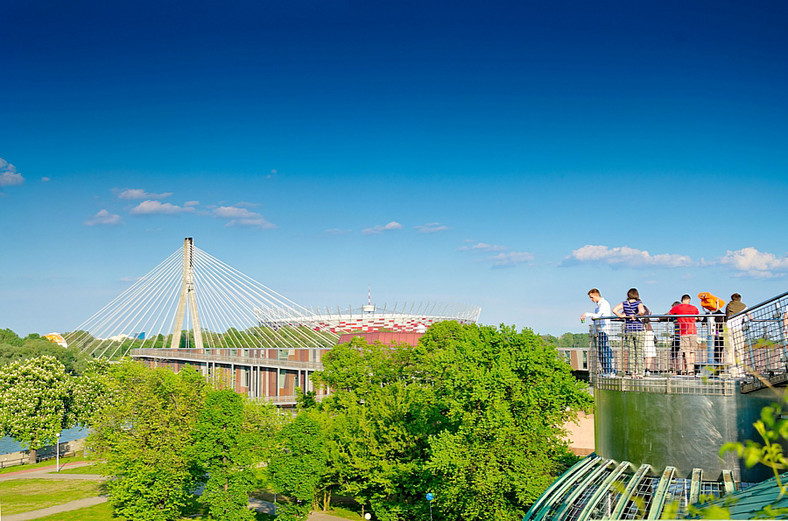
(45, 471)
(322, 516)
(65, 507)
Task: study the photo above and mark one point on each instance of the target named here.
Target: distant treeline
(14, 348)
(567, 340)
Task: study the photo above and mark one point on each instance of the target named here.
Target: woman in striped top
(634, 336)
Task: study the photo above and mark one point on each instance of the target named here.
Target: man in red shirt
(688, 334)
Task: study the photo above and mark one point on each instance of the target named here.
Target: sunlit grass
(33, 494)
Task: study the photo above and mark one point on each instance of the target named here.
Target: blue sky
(505, 155)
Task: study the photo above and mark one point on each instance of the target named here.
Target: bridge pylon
(189, 295)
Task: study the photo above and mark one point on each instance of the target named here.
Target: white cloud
(139, 193)
(431, 228)
(755, 263)
(242, 217)
(8, 174)
(504, 259)
(191, 203)
(625, 256)
(233, 212)
(104, 218)
(393, 225)
(510, 258)
(45, 179)
(483, 246)
(156, 207)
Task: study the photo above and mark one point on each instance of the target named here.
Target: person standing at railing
(649, 343)
(601, 329)
(688, 334)
(735, 338)
(634, 336)
(734, 306)
(674, 345)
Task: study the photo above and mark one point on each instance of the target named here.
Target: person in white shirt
(600, 330)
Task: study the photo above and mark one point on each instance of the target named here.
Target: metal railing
(750, 343)
(295, 358)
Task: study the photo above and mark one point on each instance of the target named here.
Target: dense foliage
(228, 443)
(15, 349)
(567, 340)
(38, 399)
(472, 414)
(165, 435)
(298, 465)
(144, 436)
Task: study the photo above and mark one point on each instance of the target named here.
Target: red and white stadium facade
(370, 318)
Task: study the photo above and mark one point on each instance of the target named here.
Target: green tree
(34, 402)
(10, 338)
(473, 414)
(296, 468)
(225, 448)
(505, 397)
(144, 432)
(89, 391)
(14, 349)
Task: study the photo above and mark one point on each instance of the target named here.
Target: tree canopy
(163, 435)
(144, 434)
(14, 349)
(38, 399)
(226, 446)
(473, 414)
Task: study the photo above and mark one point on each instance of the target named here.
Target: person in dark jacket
(734, 306)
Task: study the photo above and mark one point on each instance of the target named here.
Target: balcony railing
(751, 343)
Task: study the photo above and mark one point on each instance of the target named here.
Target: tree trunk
(226, 480)
(32, 456)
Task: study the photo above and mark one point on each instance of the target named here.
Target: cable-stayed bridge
(194, 300)
(193, 309)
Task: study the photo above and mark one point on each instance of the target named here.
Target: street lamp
(367, 516)
(57, 453)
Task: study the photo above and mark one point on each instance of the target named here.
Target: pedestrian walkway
(45, 472)
(322, 516)
(57, 509)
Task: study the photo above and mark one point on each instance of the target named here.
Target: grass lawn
(17, 468)
(31, 494)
